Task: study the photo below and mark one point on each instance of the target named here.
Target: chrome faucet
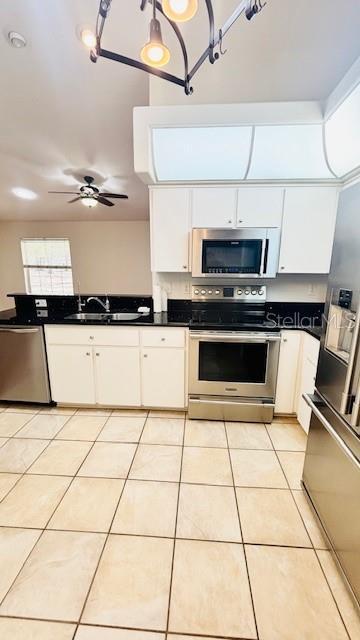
(105, 305)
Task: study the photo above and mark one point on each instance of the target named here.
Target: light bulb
(180, 10)
(89, 202)
(88, 38)
(154, 52)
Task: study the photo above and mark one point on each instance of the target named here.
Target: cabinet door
(213, 207)
(309, 360)
(170, 230)
(163, 378)
(308, 229)
(117, 376)
(71, 374)
(260, 207)
(287, 372)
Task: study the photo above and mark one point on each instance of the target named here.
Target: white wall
(107, 257)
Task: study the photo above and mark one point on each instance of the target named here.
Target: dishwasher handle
(8, 330)
(330, 429)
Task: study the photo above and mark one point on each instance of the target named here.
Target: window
(47, 266)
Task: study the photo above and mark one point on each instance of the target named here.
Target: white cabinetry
(307, 374)
(214, 207)
(117, 376)
(117, 366)
(308, 229)
(290, 345)
(260, 207)
(71, 371)
(163, 367)
(170, 220)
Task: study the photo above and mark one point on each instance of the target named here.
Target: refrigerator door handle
(349, 454)
(350, 367)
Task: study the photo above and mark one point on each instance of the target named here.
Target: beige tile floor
(121, 525)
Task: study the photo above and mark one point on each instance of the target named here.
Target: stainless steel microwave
(235, 253)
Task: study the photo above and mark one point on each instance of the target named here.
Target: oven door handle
(225, 337)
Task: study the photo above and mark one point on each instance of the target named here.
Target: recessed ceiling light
(16, 40)
(24, 194)
(88, 38)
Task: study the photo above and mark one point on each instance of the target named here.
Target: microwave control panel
(239, 293)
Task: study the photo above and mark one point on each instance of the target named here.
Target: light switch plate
(42, 313)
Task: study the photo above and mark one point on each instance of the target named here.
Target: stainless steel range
(233, 355)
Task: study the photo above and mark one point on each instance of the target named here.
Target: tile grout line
(107, 535)
(175, 532)
(43, 529)
(241, 534)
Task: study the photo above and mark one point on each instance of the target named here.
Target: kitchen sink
(86, 316)
(104, 316)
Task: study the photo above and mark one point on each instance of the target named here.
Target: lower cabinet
(163, 371)
(117, 376)
(299, 353)
(117, 367)
(290, 345)
(71, 372)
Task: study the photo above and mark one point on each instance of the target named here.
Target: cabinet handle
(184, 266)
(88, 353)
(91, 337)
(239, 221)
(163, 339)
(97, 354)
(282, 268)
(145, 355)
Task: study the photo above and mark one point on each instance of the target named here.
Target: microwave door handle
(351, 364)
(264, 256)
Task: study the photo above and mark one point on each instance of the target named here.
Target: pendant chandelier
(155, 55)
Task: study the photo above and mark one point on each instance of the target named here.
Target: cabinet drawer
(117, 336)
(163, 338)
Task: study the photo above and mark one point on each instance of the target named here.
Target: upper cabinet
(308, 229)
(170, 219)
(214, 207)
(259, 207)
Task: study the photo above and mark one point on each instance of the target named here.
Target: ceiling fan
(90, 195)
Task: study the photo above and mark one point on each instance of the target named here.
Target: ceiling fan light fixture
(180, 10)
(155, 53)
(88, 38)
(89, 202)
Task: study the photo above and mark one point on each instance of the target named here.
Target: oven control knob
(210, 292)
(247, 291)
(261, 292)
(196, 291)
(203, 292)
(217, 292)
(253, 292)
(239, 292)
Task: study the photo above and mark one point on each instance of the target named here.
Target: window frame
(27, 267)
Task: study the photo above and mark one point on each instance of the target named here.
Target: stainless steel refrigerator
(331, 474)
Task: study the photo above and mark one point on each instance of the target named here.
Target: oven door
(235, 253)
(233, 364)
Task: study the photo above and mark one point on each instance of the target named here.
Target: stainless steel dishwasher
(23, 365)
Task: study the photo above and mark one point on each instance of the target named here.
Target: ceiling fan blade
(67, 193)
(115, 195)
(105, 201)
(74, 200)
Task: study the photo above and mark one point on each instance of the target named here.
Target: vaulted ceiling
(62, 116)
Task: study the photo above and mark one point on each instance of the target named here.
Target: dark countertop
(171, 319)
